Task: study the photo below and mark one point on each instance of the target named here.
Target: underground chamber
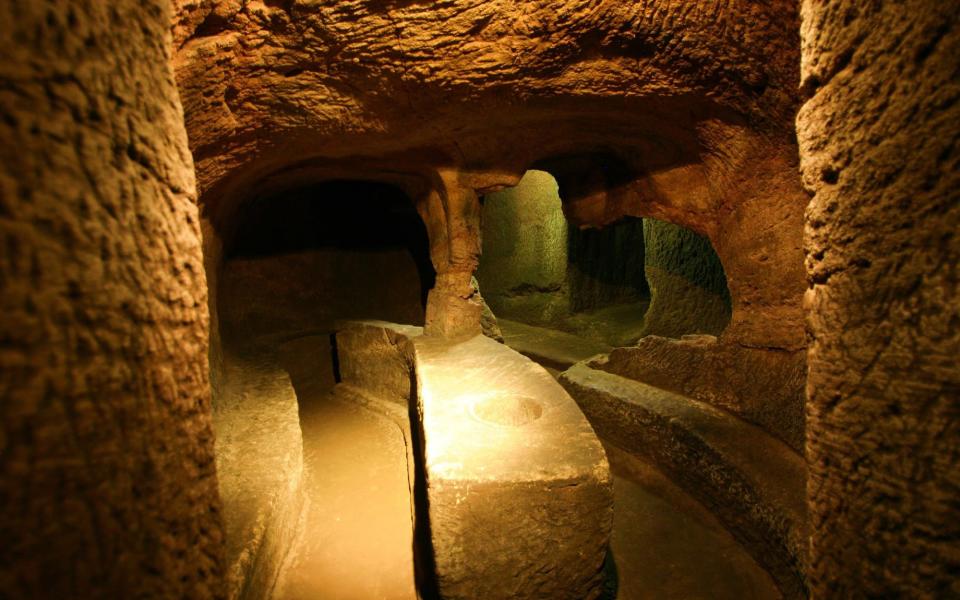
(425, 461)
(478, 300)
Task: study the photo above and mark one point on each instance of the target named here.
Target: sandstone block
(518, 485)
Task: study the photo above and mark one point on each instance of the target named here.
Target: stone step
(754, 483)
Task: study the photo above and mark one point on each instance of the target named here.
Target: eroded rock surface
(692, 128)
(107, 481)
(763, 387)
(879, 141)
(688, 288)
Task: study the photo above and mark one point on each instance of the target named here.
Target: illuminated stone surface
(519, 489)
(518, 486)
(259, 454)
(374, 356)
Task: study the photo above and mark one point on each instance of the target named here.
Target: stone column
(108, 486)
(880, 150)
(451, 212)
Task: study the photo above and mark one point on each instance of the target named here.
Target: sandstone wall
(879, 146)
(107, 479)
(662, 108)
(343, 250)
(694, 100)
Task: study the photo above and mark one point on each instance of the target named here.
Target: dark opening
(302, 260)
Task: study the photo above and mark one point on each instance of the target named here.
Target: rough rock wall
(746, 199)
(336, 78)
(879, 146)
(695, 98)
(344, 250)
(268, 299)
(524, 264)
(688, 287)
(107, 480)
(536, 268)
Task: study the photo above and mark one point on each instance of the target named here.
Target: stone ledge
(260, 469)
(754, 483)
(761, 385)
(375, 357)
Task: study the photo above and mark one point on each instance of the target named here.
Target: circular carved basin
(506, 410)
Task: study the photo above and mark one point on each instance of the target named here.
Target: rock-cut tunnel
(479, 299)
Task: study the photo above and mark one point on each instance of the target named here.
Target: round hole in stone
(506, 410)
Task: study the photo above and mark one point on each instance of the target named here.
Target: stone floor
(356, 538)
(667, 546)
(555, 350)
(614, 325)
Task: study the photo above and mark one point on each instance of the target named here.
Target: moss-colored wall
(523, 269)
(537, 269)
(688, 287)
